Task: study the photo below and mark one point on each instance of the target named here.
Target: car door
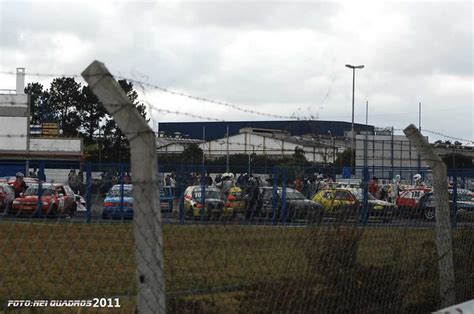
(188, 198)
(69, 199)
(326, 199)
(59, 196)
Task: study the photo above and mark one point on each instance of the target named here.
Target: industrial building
(272, 143)
(211, 130)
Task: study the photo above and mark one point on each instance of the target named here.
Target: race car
(56, 199)
(212, 207)
(409, 203)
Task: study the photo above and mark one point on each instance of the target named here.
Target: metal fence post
(180, 177)
(122, 190)
(274, 195)
(455, 196)
(442, 214)
(147, 214)
(88, 192)
(365, 211)
(39, 211)
(283, 196)
(203, 193)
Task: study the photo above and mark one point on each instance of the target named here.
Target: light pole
(353, 67)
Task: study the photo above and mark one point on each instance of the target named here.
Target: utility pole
(366, 170)
(419, 116)
(227, 153)
(204, 139)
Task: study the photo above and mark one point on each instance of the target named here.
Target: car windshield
(294, 195)
(360, 196)
(209, 194)
(238, 195)
(116, 193)
(462, 197)
(165, 193)
(33, 190)
(343, 196)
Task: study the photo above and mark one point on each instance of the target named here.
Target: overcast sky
(275, 57)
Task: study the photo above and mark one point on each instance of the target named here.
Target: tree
(299, 154)
(192, 154)
(65, 98)
(343, 159)
(91, 112)
(78, 112)
(38, 103)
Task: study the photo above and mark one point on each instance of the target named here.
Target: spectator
(19, 185)
(41, 178)
(298, 184)
(72, 180)
(374, 187)
(227, 183)
(127, 179)
(418, 181)
(208, 179)
(252, 196)
(394, 189)
(80, 182)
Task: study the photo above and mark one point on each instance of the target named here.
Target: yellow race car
(211, 205)
(337, 202)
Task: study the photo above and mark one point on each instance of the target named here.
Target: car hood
(118, 199)
(33, 198)
(465, 204)
(214, 200)
(380, 203)
(304, 203)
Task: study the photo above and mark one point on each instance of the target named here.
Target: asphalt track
(173, 218)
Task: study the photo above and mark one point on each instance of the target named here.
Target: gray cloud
(278, 57)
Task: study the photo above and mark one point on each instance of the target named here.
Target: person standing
(374, 187)
(19, 185)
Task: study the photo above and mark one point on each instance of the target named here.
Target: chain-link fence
(230, 239)
(284, 240)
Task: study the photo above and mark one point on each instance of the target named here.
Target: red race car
(409, 201)
(57, 199)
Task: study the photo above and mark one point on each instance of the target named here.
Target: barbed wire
(169, 91)
(208, 100)
(144, 84)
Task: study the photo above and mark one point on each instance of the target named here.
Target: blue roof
(216, 130)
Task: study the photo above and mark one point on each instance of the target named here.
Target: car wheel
(53, 211)
(7, 209)
(429, 213)
(73, 209)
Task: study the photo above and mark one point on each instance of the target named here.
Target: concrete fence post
(442, 214)
(144, 166)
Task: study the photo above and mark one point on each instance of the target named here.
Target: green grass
(75, 261)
